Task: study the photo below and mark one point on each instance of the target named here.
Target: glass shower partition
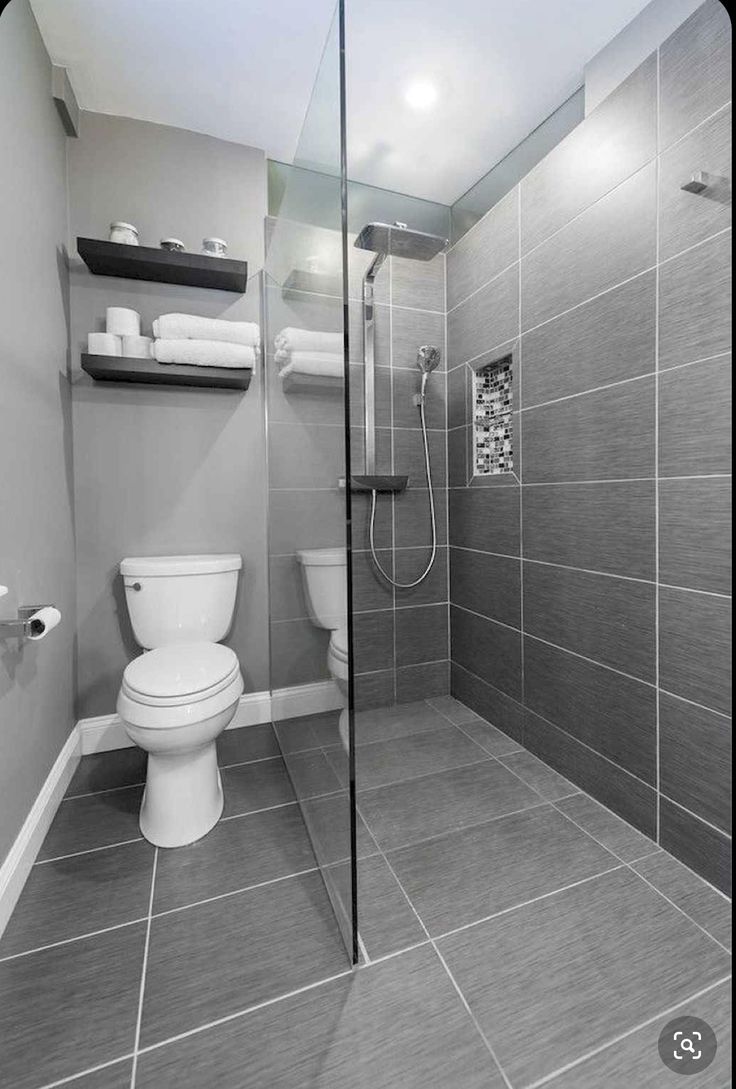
(307, 411)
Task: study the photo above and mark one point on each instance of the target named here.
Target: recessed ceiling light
(421, 94)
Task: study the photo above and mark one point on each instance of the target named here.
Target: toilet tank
(324, 571)
(180, 599)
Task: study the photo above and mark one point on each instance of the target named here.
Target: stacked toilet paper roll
(138, 347)
(122, 322)
(104, 344)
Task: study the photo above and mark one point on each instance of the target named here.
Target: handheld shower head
(428, 358)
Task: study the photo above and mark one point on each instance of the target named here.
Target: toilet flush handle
(136, 586)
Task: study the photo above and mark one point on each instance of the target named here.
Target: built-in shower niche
(493, 428)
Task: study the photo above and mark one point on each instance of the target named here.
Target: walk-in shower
(397, 240)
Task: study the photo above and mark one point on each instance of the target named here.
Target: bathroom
(365, 544)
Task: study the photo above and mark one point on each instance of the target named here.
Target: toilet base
(183, 798)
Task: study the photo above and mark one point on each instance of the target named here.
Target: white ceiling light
(421, 95)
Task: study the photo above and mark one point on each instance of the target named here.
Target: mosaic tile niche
(493, 445)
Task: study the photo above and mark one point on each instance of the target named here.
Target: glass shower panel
(306, 407)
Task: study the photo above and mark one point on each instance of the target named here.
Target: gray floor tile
(108, 770)
(79, 895)
(436, 804)
(400, 1023)
(615, 834)
(311, 774)
(635, 1061)
(328, 821)
(98, 820)
(402, 758)
(116, 1076)
(66, 1009)
(468, 875)
(217, 958)
(236, 854)
(574, 970)
(453, 710)
(538, 775)
(386, 920)
(489, 738)
(245, 743)
(306, 731)
(397, 720)
(254, 786)
(690, 893)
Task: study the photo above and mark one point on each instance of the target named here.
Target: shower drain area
(493, 431)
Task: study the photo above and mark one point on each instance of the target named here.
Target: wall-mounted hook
(701, 180)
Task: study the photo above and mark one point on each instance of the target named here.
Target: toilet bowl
(183, 691)
(324, 571)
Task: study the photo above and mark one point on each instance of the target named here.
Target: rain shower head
(428, 358)
(398, 240)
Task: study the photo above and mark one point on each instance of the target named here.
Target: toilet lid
(339, 643)
(181, 671)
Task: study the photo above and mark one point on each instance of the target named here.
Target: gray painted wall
(163, 470)
(590, 596)
(36, 522)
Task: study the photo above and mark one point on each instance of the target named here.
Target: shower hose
(374, 497)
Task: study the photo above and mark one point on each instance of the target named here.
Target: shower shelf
(378, 483)
(163, 266)
(114, 368)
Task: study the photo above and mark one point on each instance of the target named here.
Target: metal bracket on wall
(702, 181)
(24, 625)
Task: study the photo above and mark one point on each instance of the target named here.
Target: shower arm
(369, 363)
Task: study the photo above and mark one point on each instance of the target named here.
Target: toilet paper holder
(23, 626)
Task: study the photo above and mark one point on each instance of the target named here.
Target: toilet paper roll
(104, 344)
(44, 621)
(123, 322)
(138, 347)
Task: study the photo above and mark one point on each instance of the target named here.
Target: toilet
(181, 693)
(324, 571)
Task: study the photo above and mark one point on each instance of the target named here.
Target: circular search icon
(687, 1045)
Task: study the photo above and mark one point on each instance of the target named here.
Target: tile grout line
(83, 1073)
(88, 851)
(522, 671)
(144, 969)
(656, 453)
(75, 938)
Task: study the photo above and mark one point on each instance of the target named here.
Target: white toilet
(325, 581)
(179, 695)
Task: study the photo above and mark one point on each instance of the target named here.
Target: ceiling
(438, 92)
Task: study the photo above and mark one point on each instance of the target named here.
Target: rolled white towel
(204, 353)
(194, 327)
(328, 364)
(307, 340)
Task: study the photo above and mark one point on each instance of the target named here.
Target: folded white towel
(193, 327)
(204, 353)
(328, 364)
(307, 340)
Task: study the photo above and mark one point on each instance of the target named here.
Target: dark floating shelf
(115, 368)
(381, 483)
(163, 266)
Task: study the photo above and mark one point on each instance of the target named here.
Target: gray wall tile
(610, 242)
(369, 591)
(606, 340)
(487, 649)
(409, 456)
(485, 320)
(487, 584)
(487, 249)
(695, 533)
(604, 527)
(695, 303)
(409, 564)
(494, 705)
(459, 468)
(374, 689)
(412, 526)
(688, 218)
(695, 71)
(421, 634)
(407, 383)
(459, 386)
(373, 641)
(421, 682)
(695, 647)
(286, 588)
(419, 284)
(695, 419)
(486, 519)
(610, 713)
(697, 844)
(695, 759)
(305, 456)
(412, 328)
(608, 619)
(298, 653)
(613, 141)
(607, 434)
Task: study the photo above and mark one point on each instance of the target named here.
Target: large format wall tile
(485, 320)
(698, 845)
(422, 682)
(695, 303)
(695, 759)
(373, 641)
(303, 456)
(409, 563)
(606, 340)
(489, 650)
(610, 242)
(695, 533)
(688, 218)
(487, 249)
(487, 584)
(298, 653)
(604, 435)
(412, 526)
(695, 71)
(412, 328)
(406, 384)
(486, 519)
(608, 619)
(613, 141)
(604, 527)
(607, 711)
(695, 647)
(418, 284)
(491, 703)
(694, 402)
(421, 634)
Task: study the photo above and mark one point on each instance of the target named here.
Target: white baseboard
(107, 732)
(16, 867)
